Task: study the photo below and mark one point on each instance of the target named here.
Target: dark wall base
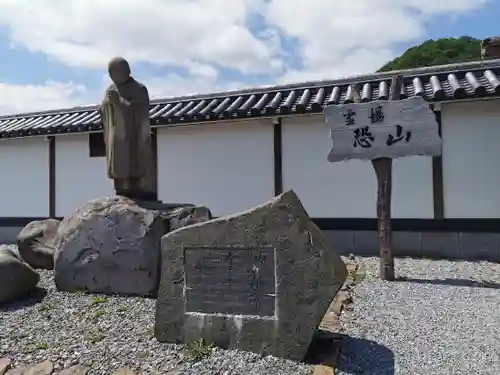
(8, 234)
(472, 239)
(413, 225)
(436, 245)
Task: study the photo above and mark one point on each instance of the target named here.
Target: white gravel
(107, 333)
(444, 319)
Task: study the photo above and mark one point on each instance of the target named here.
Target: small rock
(16, 277)
(16, 371)
(323, 370)
(75, 370)
(42, 368)
(36, 243)
(5, 364)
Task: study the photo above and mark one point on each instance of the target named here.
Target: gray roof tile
(435, 84)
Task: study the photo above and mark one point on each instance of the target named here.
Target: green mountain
(437, 52)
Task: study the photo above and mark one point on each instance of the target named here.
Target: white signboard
(377, 129)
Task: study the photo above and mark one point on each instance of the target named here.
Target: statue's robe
(127, 136)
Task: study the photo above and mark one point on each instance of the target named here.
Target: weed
(42, 346)
(98, 300)
(97, 337)
(44, 307)
(99, 314)
(199, 349)
(356, 273)
(360, 276)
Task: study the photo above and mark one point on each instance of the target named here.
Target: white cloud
(354, 37)
(172, 85)
(89, 32)
(176, 85)
(201, 70)
(50, 95)
(334, 38)
(53, 95)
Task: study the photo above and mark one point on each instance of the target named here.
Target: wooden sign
(377, 129)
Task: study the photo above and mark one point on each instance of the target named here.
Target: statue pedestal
(112, 245)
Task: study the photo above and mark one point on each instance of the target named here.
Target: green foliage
(437, 52)
(42, 346)
(97, 336)
(197, 350)
(97, 300)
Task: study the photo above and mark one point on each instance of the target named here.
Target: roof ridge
(377, 76)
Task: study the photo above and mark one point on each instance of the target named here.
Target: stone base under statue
(112, 245)
(139, 195)
(131, 188)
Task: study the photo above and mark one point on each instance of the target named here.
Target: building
(231, 151)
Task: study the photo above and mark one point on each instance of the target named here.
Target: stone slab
(440, 245)
(407, 244)
(343, 240)
(479, 246)
(308, 275)
(366, 242)
(8, 235)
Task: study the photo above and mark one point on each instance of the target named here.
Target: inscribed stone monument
(258, 281)
(378, 129)
(127, 134)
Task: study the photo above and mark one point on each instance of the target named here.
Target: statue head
(119, 70)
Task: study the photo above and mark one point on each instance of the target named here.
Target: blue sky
(54, 52)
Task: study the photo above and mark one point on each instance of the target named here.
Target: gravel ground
(443, 319)
(106, 333)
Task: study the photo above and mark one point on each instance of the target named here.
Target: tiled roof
(435, 84)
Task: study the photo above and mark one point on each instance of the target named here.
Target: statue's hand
(113, 97)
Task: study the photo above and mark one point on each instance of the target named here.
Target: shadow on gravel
(452, 282)
(34, 297)
(364, 357)
(349, 355)
(324, 349)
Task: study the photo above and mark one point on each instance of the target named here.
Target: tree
(437, 52)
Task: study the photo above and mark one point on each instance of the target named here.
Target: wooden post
(383, 170)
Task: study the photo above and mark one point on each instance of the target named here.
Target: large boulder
(261, 280)
(17, 278)
(177, 215)
(36, 243)
(112, 245)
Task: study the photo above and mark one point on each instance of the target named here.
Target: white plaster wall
(471, 159)
(79, 177)
(348, 189)
(227, 167)
(25, 184)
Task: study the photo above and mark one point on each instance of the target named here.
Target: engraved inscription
(238, 281)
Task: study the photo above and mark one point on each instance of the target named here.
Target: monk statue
(127, 134)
